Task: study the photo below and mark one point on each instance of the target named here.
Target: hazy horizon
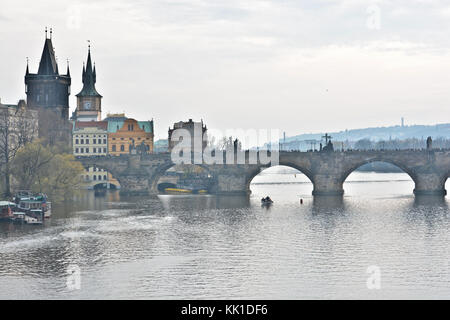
(318, 66)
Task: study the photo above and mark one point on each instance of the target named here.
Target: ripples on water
(230, 248)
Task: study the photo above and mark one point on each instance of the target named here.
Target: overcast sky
(299, 66)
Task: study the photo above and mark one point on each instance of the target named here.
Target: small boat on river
(266, 201)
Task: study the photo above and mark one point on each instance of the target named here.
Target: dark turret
(47, 89)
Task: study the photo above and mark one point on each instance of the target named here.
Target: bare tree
(17, 127)
(53, 129)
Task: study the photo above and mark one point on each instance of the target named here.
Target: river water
(207, 247)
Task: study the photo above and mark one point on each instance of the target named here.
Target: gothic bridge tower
(47, 89)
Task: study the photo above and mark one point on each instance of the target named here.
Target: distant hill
(305, 141)
(381, 133)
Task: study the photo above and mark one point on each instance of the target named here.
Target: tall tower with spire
(89, 101)
(47, 89)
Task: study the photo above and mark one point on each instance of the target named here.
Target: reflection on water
(231, 247)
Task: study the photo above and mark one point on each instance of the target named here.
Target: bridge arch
(162, 169)
(90, 163)
(357, 165)
(256, 171)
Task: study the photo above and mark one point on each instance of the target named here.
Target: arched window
(122, 148)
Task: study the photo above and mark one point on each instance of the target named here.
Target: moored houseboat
(27, 202)
(6, 210)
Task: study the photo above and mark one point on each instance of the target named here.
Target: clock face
(87, 105)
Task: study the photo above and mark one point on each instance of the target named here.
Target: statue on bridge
(328, 144)
(429, 144)
(142, 148)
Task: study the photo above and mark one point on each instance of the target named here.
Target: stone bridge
(139, 174)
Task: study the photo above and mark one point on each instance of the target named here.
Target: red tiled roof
(91, 124)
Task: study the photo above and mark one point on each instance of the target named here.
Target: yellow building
(127, 135)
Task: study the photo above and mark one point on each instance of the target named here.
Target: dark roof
(89, 79)
(48, 65)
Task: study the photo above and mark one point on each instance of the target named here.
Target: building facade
(197, 131)
(126, 135)
(48, 89)
(90, 138)
(89, 101)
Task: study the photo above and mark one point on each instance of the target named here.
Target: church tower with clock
(89, 101)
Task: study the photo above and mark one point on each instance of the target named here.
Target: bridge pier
(230, 184)
(429, 184)
(135, 184)
(327, 185)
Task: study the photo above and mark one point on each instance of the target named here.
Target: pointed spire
(68, 71)
(94, 74)
(28, 71)
(89, 62)
(48, 64)
(89, 77)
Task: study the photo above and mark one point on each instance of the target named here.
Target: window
(121, 138)
(114, 138)
(104, 177)
(82, 150)
(95, 177)
(95, 150)
(76, 141)
(95, 141)
(76, 150)
(87, 150)
(99, 177)
(122, 148)
(104, 141)
(87, 178)
(114, 147)
(104, 150)
(87, 141)
(82, 141)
